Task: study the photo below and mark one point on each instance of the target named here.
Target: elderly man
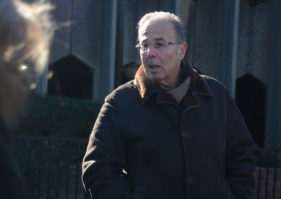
(171, 133)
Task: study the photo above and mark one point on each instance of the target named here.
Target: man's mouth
(152, 66)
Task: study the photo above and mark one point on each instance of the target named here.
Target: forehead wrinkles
(156, 30)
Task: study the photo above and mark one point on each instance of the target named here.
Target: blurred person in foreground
(25, 33)
(171, 133)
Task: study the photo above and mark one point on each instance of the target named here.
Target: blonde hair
(25, 31)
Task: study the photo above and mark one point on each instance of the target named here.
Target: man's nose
(151, 51)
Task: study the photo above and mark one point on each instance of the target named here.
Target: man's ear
(181, 50)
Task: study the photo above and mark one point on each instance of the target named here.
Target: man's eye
(145, 45)
(159, 45)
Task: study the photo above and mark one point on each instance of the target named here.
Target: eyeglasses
(159, 45)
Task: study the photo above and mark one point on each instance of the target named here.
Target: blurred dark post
(275, 132)
(119, 41)
(229, 43)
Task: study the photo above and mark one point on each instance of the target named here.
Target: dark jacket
(146, 146)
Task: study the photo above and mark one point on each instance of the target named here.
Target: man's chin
(155, 78)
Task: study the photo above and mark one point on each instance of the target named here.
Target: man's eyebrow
(144, 41)
(156, 39)
(159, 39)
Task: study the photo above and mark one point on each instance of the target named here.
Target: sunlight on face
(161, 61)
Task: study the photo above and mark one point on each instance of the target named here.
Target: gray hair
(175, 20)
(25, 32)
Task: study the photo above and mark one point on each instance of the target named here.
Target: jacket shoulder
(211, 81)
(122, 93)
(214, 85)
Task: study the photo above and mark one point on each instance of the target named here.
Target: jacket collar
(147, 88)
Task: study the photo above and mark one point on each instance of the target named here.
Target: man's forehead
(156, 30)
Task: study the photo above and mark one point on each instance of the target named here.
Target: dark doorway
(70, 77)
(250, 98)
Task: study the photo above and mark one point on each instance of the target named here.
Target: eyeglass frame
(167, 43)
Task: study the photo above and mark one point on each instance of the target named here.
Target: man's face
(161, 61)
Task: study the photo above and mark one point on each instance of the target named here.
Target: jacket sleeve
(104, 160)
(240, 162)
